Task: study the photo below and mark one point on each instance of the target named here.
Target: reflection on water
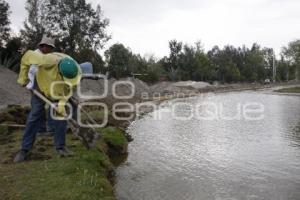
(295, 136)
(215, 159)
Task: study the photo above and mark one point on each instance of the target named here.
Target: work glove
(61, 110)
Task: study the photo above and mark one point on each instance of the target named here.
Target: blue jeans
(47, 122)
(34, 123)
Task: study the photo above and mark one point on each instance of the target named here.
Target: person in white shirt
(44, 47)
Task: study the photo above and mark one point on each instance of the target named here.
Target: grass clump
(14, 114)
(3, 130)
(5, 135)
(289, 90)
(115, 139)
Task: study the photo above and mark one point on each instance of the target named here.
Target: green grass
(289, 90)
(5, 135)
(49, 177)
(14, 114)
(113, 136)
(117, 143)
(3, 130)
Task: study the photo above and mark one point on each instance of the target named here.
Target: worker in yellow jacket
(57, 75)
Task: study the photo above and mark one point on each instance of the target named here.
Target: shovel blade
(88, 136)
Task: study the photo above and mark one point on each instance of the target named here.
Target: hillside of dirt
(10, 91)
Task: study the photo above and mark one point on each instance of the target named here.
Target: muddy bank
(293, 90)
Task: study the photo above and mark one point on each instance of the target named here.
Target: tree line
(81, 31)
(190, 62)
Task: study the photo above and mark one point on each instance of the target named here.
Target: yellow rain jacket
(47, 74)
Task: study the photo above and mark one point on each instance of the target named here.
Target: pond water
(230, 146)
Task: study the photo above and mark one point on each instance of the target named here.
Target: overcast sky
(146, 26)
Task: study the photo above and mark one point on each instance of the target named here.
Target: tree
(150, 70)
(256, 60)
(285, 71)
(173, 62)
(226, 64)
(4, 22)
(91, 56)
(205, 70)
(268, 62)
(74, 24)
(36, 24)
(192, 61)
(291, 54)
(175, 52)
(81, 26)
(231, 72)
(118, 59)
(10, 56)
(137, 64)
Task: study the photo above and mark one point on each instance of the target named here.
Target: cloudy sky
(146, 26)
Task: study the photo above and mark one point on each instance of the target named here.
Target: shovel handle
(41, 96)
(47, 101)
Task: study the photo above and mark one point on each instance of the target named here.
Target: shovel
(88, 136)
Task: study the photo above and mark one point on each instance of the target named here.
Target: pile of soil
(95, 87)
(10, 91)
(185, 87)
(122, 87)
(193, 84)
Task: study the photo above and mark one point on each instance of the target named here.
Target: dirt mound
(178, 87)
(120, 88)
(138, 87)
(193, 84)
(10, 91)
(161, 87)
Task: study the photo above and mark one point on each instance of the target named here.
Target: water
(220, 158)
